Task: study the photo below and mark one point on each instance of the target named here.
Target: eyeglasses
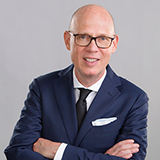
(84, 40)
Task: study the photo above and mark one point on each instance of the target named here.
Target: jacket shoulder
(47, 78)
(123, 84)
(131, 89)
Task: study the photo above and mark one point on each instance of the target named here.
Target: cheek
(74, 56)
(106, 58)
(73, 52)
(106, 54)
(76, 53)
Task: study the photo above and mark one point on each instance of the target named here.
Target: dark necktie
(81, 105)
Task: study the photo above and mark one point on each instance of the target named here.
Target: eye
(103, 38)
(83, 37)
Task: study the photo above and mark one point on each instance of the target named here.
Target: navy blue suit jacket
(50, 112)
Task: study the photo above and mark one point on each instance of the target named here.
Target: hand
(46, 147)
(124, 149)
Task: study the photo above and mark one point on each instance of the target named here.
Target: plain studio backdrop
(31, 44)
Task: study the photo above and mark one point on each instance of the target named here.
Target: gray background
(31, 44)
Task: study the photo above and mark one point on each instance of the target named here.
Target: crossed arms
(27, 142)
(124, 149)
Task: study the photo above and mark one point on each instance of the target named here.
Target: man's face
(91, 61)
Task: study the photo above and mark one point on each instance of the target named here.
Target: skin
(46, 147)
(95, 21)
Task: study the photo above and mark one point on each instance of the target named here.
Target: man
(114, 126)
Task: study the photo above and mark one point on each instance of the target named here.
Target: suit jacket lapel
(106, 95)
(64, 93)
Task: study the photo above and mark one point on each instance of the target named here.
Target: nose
(92, 46)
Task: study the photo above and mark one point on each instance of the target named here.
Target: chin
(90, 74)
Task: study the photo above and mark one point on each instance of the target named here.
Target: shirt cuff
(60, 151)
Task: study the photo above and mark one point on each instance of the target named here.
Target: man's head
(90, 61)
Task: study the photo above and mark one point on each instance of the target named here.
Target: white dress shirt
(95, 87)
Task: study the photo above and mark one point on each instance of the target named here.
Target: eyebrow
(102, 34)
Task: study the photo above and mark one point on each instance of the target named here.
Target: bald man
(115, 119)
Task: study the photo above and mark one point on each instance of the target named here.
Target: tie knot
(84, 93)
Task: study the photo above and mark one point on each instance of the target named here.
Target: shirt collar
(95, 87)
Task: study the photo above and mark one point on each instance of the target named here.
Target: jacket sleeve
(76, 153)
(135, 126)
(27, 130)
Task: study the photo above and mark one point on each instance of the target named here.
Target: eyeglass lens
(101, 41)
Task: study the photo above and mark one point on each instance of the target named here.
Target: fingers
(127, 145)
(124, 149)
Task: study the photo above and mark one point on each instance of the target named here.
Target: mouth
(91, 60)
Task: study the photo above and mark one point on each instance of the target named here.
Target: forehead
(93, 23)
(93, 28)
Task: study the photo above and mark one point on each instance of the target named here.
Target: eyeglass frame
(92, 38)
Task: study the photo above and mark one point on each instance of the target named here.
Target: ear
(67, 39)
(115, 43)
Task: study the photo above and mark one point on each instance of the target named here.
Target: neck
(88, 80)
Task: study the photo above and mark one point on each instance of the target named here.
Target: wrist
(60, 151)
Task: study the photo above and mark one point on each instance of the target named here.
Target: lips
(91, 60)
